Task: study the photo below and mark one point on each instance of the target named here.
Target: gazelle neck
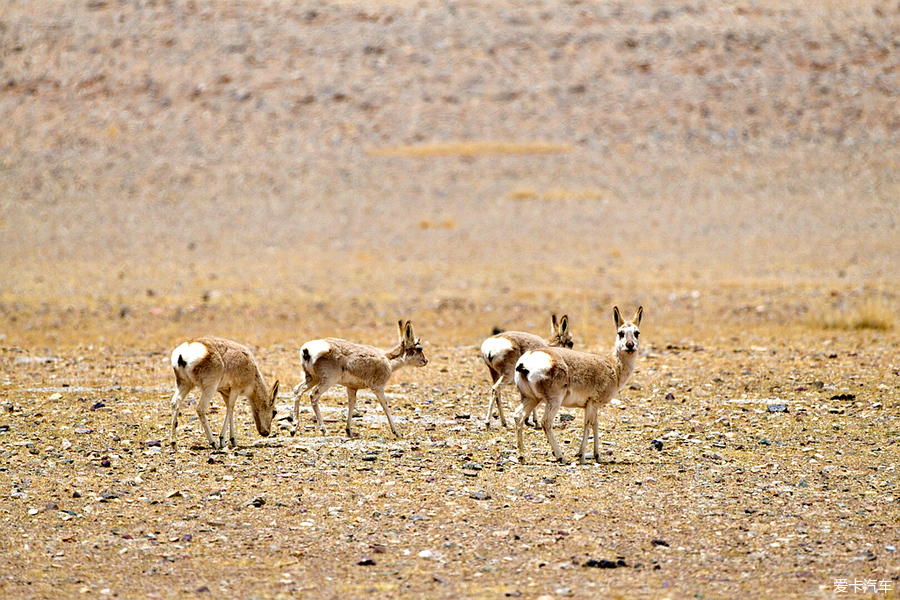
(397, 358)
(624, 364)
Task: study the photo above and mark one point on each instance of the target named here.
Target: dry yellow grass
(471, 148)
(558, 194)
(871, 314)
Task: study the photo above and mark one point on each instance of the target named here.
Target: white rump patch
(494, 347)
(191, 352)
(538, 364)
(316, 348)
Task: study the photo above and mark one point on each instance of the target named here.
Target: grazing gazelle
(332, 361)
(502, 351)
(559, 377)
(219, 365)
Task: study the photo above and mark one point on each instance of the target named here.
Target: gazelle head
(559, 332)
(264, 410)
(627, 332)
(411, 346)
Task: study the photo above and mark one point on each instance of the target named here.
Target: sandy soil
(275, 172)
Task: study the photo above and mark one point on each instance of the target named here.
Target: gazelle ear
(400, 330)
(564, 325)
(554, 328)
(275, 391)
(617, 317)
(410, 335)
(637, 316)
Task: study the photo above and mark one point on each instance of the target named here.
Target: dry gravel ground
(278, 171)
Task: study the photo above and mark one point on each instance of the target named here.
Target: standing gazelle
(332, 361)
(219, 365)
(501, 352)
(559, 377)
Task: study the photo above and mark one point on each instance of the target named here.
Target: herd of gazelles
(546, 372)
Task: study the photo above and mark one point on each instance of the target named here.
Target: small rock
(605, 564)
(473, 466)
(153, 443)
(462, 417)
(98, 406)
(659, 543)
(83, 430)
(370, 457)
(777, 408)
(670, 396)
(257, 502)
(174, 494)
(55, 396)
(563, 417)
(366, 562)
(656, 444)
(104, 462)
(428, 554)
(480, 495)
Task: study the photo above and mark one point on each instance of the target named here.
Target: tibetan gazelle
(501, 352)
(559, 377)
(219, 365)
(332, 361)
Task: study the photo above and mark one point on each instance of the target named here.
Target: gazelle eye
(621, 334)
(637, 334)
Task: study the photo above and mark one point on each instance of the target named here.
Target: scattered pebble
(605, 564)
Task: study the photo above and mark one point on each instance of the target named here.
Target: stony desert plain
(278, 171)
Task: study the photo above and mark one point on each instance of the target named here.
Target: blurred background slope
(347, 161)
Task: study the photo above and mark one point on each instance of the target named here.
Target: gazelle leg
(495, 399)
(525, 406)
(379, 392)
(590, 417)
(180, 394)
(314, 396)
(228, 423)
(550, 409)
(295, 416)
(351, 406)
(202, 408)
